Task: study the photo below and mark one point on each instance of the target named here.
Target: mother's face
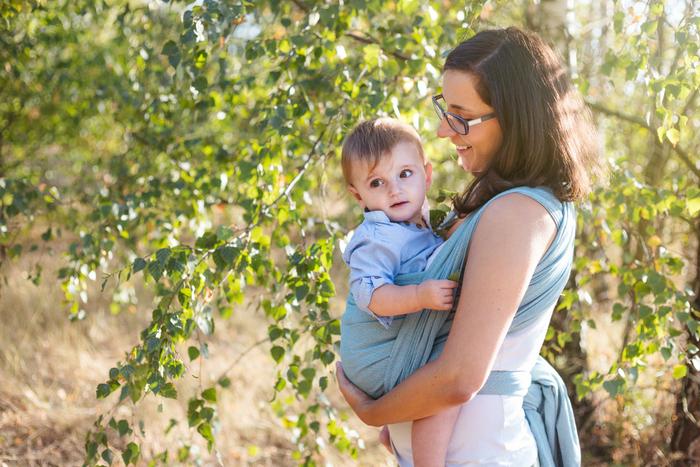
(476, 149)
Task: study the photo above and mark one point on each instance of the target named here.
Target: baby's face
(396, 185)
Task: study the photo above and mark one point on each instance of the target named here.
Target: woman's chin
(467, 167)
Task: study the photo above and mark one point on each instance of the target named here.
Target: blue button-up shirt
(379, 250)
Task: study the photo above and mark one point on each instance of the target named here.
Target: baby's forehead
(402, 153)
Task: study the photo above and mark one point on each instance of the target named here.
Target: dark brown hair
(373, 139)
(548, 137)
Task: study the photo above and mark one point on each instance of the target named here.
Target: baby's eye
(405, 173)
(377, 182)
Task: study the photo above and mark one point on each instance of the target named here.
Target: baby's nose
(394, 188)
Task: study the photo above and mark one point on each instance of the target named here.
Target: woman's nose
(444, 130)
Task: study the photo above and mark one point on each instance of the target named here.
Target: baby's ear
(428, 174)
(356, 194)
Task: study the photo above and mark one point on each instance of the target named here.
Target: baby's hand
(436, 294)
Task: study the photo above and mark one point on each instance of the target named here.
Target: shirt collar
(376, 216)
(380, 216)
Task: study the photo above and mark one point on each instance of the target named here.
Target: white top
(490, 430)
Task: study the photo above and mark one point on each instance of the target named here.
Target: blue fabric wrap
(376, 359)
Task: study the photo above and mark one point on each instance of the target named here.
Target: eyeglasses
(457, 123)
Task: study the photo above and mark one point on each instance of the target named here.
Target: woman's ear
(428, 174)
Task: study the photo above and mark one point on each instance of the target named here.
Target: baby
(387, 172)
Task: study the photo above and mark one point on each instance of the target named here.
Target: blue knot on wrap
(376, 359)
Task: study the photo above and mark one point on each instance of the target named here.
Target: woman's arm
(511, 237)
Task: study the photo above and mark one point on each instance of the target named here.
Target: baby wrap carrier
(377, 359)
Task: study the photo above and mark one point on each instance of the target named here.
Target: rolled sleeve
(374, 261)
(362, 291)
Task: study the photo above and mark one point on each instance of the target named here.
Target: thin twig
(680, 152)
(366, 39)
(240, 357)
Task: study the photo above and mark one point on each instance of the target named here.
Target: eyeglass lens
(458, 125)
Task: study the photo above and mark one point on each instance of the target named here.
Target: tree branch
(616, 113)
(301, 5)
(240, 357)
(680, 152)
(365, 39)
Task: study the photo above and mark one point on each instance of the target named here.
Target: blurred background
(171, 207)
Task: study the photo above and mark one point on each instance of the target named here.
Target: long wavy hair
(548, 136)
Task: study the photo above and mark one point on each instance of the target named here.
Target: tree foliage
(188, 148)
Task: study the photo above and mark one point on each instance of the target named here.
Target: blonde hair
(372, 140)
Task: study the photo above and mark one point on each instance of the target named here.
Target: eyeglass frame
(443, 114)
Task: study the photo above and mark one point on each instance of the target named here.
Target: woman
(516, 121)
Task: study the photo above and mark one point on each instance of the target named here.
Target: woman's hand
(360, 402)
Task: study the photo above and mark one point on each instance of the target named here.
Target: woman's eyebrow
(459, 107)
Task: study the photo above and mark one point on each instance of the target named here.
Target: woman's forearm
(431, 389)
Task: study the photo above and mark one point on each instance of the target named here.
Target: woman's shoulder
(517, 211)
(532, 201)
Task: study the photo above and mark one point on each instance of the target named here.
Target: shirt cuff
(366, 288)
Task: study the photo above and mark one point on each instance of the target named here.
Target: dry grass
(49, 368)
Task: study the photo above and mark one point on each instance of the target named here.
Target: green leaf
(666, 352)
(327, 357)
(209, 394)
(618, 311)
(206, 241)
(123, 427)
(224, 381)
(650, 26)
(277, 353)
(205, 430)
(436, 217)
(673, 136)
(679, 371)
(275, 333)
(224, 233)
(171, 50)
(693, 206)
(155, 269)
(168, 390)
(139, 264)
(131, 453)
(91, 449)
(103, 390)
(660, 132)
(301, 291)
(108, 456)
(192, 352)
(614, 387)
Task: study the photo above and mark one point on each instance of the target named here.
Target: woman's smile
(476, 149)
